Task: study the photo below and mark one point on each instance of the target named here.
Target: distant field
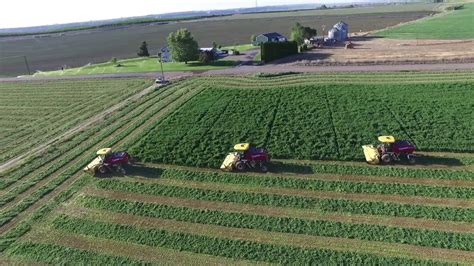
(135, 65)
(75, 49)
(312, 117)
(456, 24)
(33, 112)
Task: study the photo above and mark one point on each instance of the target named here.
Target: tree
(253, 38)
(214, 45)
(299, 33)
(143, 50)
(183, 46)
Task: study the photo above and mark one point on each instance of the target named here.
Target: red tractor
(390, 150)
(108, 161)
(246, 157)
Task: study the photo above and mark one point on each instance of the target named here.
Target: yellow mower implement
(371, 154)
(92, 166)
(229, 161)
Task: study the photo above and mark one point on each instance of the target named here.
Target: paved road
(270, 68)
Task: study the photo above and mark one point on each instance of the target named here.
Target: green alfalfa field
(305, 210)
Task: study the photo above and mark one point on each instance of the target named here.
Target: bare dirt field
(368, 50)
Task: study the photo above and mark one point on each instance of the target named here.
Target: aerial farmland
(319, 199)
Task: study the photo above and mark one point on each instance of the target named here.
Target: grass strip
(328, 205)
(429, 238)
(236, 249)
(323, 185)
(55, 254)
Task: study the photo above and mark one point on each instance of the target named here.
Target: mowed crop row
(237, 224)
(63, 104)
(303, 117)
(28, 190)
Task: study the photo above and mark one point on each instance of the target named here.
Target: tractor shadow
(280, 168)
(144, 171)
(427, 160)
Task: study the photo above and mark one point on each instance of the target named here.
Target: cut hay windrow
(231, 248)
(429, 238)
(328, 205)
(322, 185)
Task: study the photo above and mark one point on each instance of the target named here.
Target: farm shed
(269, 37)
(339, 32)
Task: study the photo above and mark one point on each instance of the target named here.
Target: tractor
(246, 157)
(108, 162)
(389, 150)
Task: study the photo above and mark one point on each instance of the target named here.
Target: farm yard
(79, 48)
(305, 210)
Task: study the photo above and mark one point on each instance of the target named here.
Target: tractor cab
(389, 150)
(246, 156)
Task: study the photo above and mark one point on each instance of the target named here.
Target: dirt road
(269, 68)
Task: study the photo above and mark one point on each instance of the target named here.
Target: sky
(24, 13)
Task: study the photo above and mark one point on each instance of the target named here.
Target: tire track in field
(272, 122)
(67, 118)
(86, 141)
(276, 238)
(405, 222)
(71, 132)
(400, 123)
(331, 119)
(162, 94)
(181, 100)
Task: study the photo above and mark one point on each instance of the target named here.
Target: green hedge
(276, 50)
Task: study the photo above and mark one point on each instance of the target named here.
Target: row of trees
(184, 47)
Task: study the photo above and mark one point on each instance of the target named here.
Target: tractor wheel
(411, 158)
(240, 166)
(264, 168)
(386, 158)
(102, 169)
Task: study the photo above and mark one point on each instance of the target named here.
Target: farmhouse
(339, 32)
(269, 37)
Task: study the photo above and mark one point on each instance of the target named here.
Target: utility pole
(27, 66)
(161, 64)
(256, 5)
